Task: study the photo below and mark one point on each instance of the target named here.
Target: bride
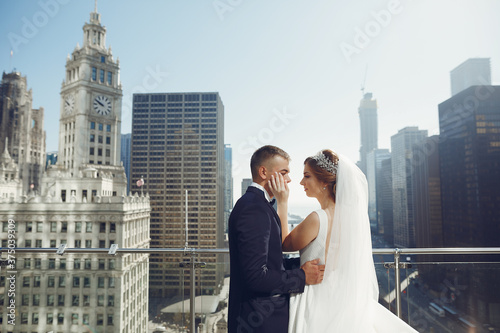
(338, 234)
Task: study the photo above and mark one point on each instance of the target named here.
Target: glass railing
(116, 290)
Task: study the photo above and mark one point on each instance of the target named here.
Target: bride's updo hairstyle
(324, 167)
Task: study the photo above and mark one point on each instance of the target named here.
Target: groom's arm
(253, 234)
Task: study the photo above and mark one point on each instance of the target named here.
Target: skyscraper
(427, 193)
(21, 128)
(245, 182)
(178, 146)
(472, 72)
(386, 206)
(469, 151)
(368, 128)
(125, 155)
(373, 176)
(228, 184)
(402, 184)
(81, 203)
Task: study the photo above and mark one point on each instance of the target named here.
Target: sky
(289, 72)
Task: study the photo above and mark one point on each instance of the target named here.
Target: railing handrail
(448, 250)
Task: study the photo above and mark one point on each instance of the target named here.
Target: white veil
(350, 285)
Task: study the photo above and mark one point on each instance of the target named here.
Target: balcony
(57, 290)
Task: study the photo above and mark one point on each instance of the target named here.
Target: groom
(261, 281)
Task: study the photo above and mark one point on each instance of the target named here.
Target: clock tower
(91, 100)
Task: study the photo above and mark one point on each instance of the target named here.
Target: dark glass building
(469, 150)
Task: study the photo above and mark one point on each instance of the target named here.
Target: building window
(24, 318)
(26, 281)
(38, 243)
(53, 226)
(108, 128)
(100, 127)
(92, 138)
(112, 227)
(78, 243)
(63, 194)
(111, 300)
(62, 264)
(100, 282)
(36, 281)
(78, 226)
(101, 76)
(111, 264)
(62, 281)
(74, 318)
(76, 264)
(50, 318)
(103, 59)
(34, 318)
(88, 264)
(85, 319)
(99, 151)
(52, 243)
(92, 125)
(91, 150)
(102, 244)
(50, 300)
(102, 227)
(86, 302)
(27, 243)
(38, 263)
(39, 227)
(27, 263)
(99, 138)
(111, 282)
(88, 225)
(110, 78)
(108, 153)
(60, 318)
(86, 282)
(29, 226)
(25, 300)
(75, 300)
(100, 300)
(64, 227)
(36, 300)
(101, 263)
(88, 243)
(94, 73)
(51, 282)
(108, 140)
(100, 319)
(60, 300)
(52, 263)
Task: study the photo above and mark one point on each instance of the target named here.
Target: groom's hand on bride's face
(314, 272)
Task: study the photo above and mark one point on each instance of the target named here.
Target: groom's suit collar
(262, 189)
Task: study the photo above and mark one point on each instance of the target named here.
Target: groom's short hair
(261, 155)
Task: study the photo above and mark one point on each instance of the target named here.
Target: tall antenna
(364, 80)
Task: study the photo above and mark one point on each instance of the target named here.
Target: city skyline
(309, 57)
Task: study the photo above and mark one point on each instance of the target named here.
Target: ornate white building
(81, 202)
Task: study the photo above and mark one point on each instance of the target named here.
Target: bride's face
(312, 186)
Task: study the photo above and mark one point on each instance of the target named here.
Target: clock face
(102, 105)
(69, 103)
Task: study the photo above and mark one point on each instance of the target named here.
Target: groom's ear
(263, 172)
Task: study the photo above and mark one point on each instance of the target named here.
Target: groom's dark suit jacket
(260, 281)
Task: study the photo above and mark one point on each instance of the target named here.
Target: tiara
(325, 163)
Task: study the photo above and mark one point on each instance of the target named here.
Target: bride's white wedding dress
(347, 299)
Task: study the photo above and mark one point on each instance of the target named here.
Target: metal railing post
(193, 293)
(398, 281)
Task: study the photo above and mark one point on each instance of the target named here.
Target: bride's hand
(279, 187)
